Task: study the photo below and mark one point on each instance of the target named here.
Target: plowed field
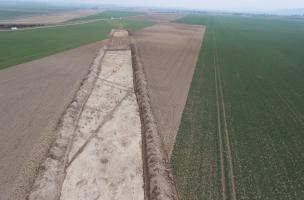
(169, 53)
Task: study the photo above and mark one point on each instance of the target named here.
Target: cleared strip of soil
(32, 98)
(51, 18)
(97, 153)
(105, 160)
(169, 54)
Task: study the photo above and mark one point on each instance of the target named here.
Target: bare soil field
(169, 54)
(158, 17)
(53, 18)
(33, 96)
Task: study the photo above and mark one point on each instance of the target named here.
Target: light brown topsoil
(32, 98)
(169, 54)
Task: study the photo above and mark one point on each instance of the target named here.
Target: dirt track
(32, 98)
(51, 18)
(169, 53)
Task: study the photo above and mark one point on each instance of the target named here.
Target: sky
(262, 5)
(230, 5)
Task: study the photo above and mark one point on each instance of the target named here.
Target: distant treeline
(9, 26)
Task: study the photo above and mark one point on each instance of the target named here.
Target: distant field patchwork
(110, 14)
(8, 14)
(26, 45)
(241, 135)
(9, 10)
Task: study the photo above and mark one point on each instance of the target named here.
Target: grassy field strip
(26, 45)
(199, 176)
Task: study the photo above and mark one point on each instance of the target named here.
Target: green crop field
(109, 14)
(242, 131)
(26, 45)
(11, 9)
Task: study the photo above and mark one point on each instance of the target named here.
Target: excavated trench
(107, 144)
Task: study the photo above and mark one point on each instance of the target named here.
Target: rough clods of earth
(158, 178)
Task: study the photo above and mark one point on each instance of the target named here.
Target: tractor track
(224, 195)
(220, 98)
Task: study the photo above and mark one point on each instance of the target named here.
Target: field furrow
(220, 134)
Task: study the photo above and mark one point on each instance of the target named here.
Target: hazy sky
(212, 4)
(231, 5)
